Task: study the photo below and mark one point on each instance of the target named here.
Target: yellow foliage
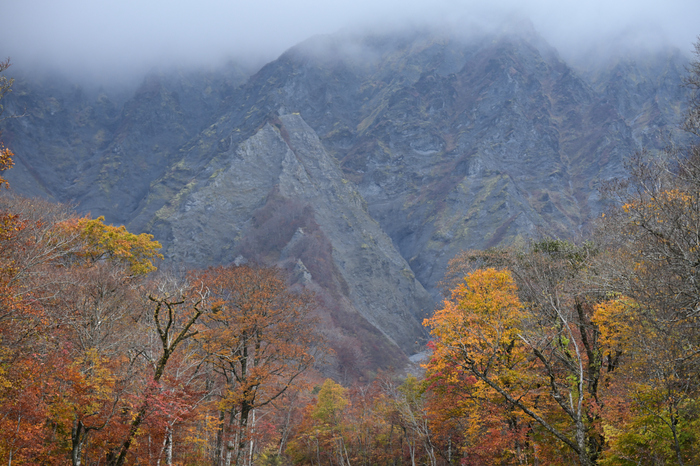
(115, 243)
(618, 322)
(481, 320)
(332, 400)
(6, 163)
(661, 200)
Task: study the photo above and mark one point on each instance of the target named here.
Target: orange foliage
(6, 163)
(259, 338)
(477, 332)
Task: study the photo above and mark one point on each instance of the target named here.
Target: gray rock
(211, 221)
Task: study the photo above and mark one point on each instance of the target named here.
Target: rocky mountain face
(101, 148)
(360, 164)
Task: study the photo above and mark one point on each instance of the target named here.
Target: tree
(70, 317)
(31, 354)
(655, 230)
(368, 425)
(259, 339)
(409, 403)
(533, 344)
(100, 309)
(652, 406)
(174, 316)
(480, 346)
(112, 243)
(653, 324)
(5, 163)
(328, 412)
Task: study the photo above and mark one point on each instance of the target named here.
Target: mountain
(362, 164)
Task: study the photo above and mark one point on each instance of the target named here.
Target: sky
(116, 38)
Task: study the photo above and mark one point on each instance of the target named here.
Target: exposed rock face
(288, 161)
(460, 145)
(102, 149)
(354, 162)
(644, 89)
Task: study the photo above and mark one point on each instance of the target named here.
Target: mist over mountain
(361, 163)
(110, 42)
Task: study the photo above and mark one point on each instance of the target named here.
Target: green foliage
(645, 435)
(576, 255)
(412, 389)
(331, 402)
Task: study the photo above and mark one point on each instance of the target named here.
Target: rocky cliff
(300, 203)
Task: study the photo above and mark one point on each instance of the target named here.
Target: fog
(115, 39)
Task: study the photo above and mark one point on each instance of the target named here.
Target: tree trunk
(169, 346)
(251, 442)
(318, 453)
(243, 432)
(583, 455)
(285, 431)
(230, 446)
(78, 435)
(167, 449)
(218, 449)
(674, 422)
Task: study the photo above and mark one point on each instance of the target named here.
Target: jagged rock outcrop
(287, 160)
(644, 89)
(103, 148)
(459, 143)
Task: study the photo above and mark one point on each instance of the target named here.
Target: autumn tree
(527, 334)
(451, 410)
(369, 423)
(31, 356)
(5, 163)
(173, 316)
(480, 345)
(651, 401)
(259, 340)
(99, 310)
(72, 310)
(408, 401)
(651, 328)
(8, 225)
(328, 412)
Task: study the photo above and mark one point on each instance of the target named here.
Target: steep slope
(102, 148)
(459, 144)
(285, 161)
(645, 89)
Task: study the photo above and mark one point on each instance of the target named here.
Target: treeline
(103, 361)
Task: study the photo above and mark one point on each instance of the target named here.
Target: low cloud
(115, 39)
